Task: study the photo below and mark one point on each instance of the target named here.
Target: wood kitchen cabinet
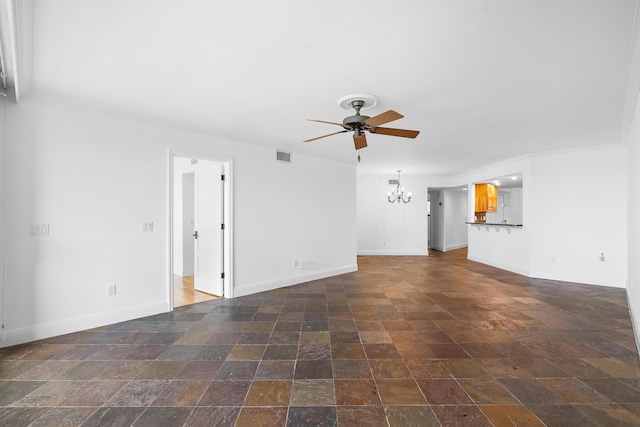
(486, 199)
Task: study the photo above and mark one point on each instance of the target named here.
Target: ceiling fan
(358, 123)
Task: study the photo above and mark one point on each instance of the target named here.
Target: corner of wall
(66, 326)
(269, 285)
(634, 322)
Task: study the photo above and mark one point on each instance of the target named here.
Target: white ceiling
(483, 80)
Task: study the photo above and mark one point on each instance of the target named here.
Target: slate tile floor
(406, 341)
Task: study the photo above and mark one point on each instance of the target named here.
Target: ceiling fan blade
(360, 141)
(380, 119)
(404, 133)
(324, 136)
(323, 121)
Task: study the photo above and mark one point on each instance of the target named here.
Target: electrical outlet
(295, 264)
(111, 290)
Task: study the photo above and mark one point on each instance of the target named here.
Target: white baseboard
(503, 266)
(67, 326)
(450, 247)
(634, 325)
(454, 247)
(292, 280)
(582, 278)
(422, 252)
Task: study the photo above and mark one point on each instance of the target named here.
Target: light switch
(146, 226)
(34, 230)
(44, 229)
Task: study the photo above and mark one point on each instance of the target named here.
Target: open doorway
(447, 216)
(200, 229)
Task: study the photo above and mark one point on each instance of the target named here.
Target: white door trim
(227, 163)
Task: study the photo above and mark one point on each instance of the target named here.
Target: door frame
(227, 216)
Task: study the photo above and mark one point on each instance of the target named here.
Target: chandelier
(397, 194)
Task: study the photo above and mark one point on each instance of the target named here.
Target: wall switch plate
(36, 230)
(146, 226)
(111, 290)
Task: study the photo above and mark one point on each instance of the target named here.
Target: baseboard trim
(422, 252)
(634, 325)
(454, 247)
(500, 265)
(582, 279)
(292, 280)
(67, 326)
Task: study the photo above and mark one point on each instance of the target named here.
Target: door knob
(195, 234)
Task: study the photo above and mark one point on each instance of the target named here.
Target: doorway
(447, 216)
(200, 228)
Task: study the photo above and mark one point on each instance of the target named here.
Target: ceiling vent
(394, 182)
(283, 156)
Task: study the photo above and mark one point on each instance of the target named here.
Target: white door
(208, 228)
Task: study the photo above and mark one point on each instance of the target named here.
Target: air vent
(394, 182)
(282, 156)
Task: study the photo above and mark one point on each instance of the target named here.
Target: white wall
(503, 247)
(579, 210)
(633, 227)
(388, 228)
(303, 211)
(515, 206)
(3, 130)
(187, 227)
(566, 224)
(455, 214)
(180, 165)
(94, 176)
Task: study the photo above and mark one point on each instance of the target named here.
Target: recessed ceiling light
(496, 182)
(464, 189)
(514, 177)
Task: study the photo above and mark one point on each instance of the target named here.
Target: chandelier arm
(398, 193)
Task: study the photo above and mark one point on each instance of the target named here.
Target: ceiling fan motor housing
(359, 123)
(354, 120)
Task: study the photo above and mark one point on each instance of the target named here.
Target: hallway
(405, 341)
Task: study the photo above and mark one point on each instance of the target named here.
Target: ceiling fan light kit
(359, 123)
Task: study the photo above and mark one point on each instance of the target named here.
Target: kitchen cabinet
(486, 199)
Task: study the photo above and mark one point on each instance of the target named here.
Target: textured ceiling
(482, 80)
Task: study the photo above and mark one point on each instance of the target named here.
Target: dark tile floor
(406, 341)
